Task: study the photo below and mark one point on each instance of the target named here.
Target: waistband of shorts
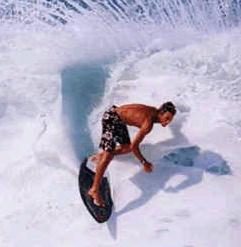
(113, 108)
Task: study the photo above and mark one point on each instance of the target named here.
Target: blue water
(82, 88)
(194, 157)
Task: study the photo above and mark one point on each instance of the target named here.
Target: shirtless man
(114, 124)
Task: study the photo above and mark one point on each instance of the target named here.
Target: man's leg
(95, 158)
(122, 149)
(94, 191)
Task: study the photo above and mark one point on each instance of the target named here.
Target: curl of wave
(201, 15)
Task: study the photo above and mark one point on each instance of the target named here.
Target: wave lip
(201, 15)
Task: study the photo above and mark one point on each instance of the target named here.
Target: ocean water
(62, 63)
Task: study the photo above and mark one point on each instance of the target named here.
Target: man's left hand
(147, 167)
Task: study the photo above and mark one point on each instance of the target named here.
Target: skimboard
(86, 177)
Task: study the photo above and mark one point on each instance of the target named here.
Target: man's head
(166, 113)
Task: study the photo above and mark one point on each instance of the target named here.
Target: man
(114, 124)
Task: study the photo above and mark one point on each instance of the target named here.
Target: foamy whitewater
(63, 63)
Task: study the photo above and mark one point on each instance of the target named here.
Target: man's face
(165, 118)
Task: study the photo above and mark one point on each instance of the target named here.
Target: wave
(64, 62)
(203, 15)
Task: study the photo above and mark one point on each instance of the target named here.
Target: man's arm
(144, 130)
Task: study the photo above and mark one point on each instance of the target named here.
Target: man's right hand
(147, 167)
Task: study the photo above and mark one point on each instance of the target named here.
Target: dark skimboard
(86, 176)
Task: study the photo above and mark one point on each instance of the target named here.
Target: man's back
(136, 114)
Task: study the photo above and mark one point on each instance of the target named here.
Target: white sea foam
(202, 79)
(185, 201)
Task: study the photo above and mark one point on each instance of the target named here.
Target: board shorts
(114, 130)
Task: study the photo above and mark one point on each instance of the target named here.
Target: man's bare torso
(141, 116)
(137, 114)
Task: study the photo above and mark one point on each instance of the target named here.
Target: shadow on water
(188, 160)
(82, 88)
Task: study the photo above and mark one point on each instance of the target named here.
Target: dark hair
(168, 106)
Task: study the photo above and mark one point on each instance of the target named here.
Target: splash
(203, 15)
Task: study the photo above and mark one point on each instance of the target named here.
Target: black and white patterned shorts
(114, 131)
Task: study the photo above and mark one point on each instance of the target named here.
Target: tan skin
(140, 116)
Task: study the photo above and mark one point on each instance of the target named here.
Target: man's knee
(107, 156)
(122, 149)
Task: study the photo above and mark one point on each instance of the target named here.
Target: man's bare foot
(96, 198)
(96, 158)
